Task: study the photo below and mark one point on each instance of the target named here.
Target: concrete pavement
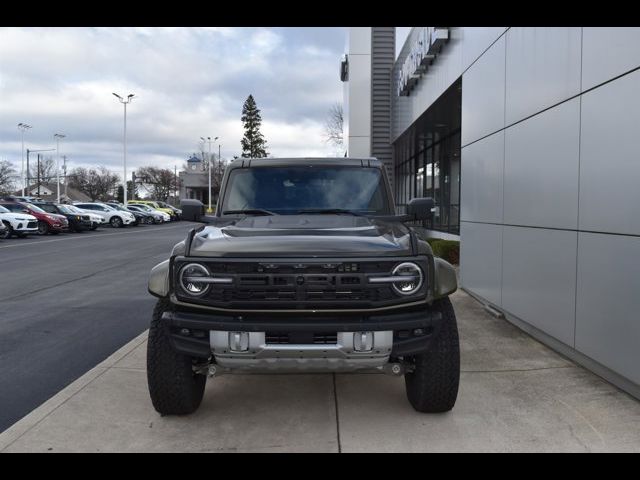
(515, 395)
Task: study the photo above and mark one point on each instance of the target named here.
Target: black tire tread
(173, 387)
(433, 386)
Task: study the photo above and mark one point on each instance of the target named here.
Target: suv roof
(278, 162)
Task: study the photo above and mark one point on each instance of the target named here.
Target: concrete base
(515, 395)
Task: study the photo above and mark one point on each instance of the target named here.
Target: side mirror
(420, 208)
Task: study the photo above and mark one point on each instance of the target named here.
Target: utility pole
(175, 185)
(64, 167)
(58, 136)
(38, 174)
(23, 127)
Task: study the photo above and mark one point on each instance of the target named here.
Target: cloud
(188, 82)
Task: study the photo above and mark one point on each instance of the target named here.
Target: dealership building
(528, 139)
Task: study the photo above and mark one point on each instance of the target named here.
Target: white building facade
(529, 141)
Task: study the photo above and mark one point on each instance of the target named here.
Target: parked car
(47, 222)
(19, 224)
(155, 206)
(3, 230)
(143, 217)
(78, 221)
(158, 216)
(116, 218)
(96, 220)
(139, 217)
(176, 210)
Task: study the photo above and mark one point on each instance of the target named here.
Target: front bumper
(205, 335)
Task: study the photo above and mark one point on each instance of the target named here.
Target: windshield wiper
(249, 211)
(329, 211)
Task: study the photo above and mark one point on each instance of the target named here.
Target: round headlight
(414, 278)
(189, 279)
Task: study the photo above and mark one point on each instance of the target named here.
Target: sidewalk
(515, 395)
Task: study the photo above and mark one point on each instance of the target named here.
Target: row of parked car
(22, 216)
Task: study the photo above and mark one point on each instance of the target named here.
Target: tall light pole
(23, 127)
(58, 136)
(209, 166)
(125, 102)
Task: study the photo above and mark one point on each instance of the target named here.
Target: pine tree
(253, 143)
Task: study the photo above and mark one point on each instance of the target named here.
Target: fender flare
(159, 279)
(446, 280)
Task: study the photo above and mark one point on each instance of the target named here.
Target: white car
(18, 224)
(116, 218)
(96, 220)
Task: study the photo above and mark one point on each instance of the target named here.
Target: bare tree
(160, 182)
(45, 170)
(7, 177)
(333, 128)
(98, 184)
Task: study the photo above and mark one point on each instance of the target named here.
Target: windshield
(290, 190)
(65, 209)
(73, 209)
(143, 207)
(34, 208)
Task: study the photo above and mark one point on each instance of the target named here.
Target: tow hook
(395, 369)
(208, 369)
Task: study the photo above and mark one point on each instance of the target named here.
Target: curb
(26, 423)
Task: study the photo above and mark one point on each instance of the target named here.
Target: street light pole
(125, 102)
(58, 136)
(23, 127)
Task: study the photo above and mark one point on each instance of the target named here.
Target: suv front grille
(314, 285)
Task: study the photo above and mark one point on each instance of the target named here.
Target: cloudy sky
(188, 83)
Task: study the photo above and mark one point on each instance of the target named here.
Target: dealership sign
(427, 44)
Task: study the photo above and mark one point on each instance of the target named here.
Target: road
(69, 301)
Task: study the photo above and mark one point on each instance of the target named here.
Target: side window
(48, 208)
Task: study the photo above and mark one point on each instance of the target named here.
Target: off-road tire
(174, 388)
(432, 387)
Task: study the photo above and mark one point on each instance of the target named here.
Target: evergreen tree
(253, 143)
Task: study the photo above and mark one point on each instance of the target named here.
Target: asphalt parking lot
(69, 301)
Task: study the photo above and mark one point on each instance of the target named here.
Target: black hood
(302, 235)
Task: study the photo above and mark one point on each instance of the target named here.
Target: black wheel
(6, 234)
(173, 386)
(116, 222)
(432, 387)
(93, 227)
(43, 228)
(149, 221)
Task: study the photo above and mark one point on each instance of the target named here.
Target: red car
(47, 222)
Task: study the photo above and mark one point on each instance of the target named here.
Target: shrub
(448, 250)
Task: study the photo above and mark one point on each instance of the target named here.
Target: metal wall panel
(608, 52)
(475, 40)
(481, 260)
(608, 302)
(541, 169)
(539, 278)
(609, 160)
(543, 68)
(483, 90)
(482, 166)
(359, 96)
